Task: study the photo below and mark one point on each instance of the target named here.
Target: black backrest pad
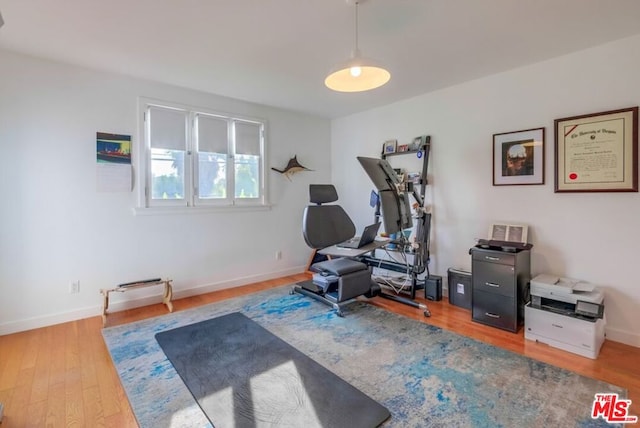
(326, 225)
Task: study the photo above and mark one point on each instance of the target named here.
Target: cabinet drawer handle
(556, 325)
(492, 284)
(495, 259)
(489, 314)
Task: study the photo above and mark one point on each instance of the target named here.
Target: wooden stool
(166, 298)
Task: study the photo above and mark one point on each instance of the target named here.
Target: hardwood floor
(62, 375)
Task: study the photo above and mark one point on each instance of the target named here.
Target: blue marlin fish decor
(292, 167)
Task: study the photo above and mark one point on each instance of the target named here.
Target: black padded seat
(339, 267)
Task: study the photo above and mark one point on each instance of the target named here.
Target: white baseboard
(622, 336)
(52, 319)
(236, 282)
(47, 320)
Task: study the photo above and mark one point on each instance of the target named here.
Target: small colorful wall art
(113, 148)
(113, 156)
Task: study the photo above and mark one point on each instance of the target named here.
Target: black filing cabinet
(500, 287)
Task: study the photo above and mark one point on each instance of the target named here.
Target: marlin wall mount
(292, 167)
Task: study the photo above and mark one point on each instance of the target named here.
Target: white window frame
(191, 200)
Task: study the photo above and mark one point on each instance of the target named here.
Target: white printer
(566, 313)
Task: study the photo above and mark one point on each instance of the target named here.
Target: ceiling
(278, 52)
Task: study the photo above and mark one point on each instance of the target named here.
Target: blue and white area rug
(425, 376)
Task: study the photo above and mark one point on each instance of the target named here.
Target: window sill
(142, 211)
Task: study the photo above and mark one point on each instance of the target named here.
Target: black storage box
(459, 288)
(433, 288)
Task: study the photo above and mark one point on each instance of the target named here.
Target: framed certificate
(597, 152)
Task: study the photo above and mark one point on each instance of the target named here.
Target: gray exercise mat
(242, 375)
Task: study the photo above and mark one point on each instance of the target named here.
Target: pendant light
(359, 73)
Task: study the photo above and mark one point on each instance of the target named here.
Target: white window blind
(168, 128)
(247, 138)
(212, 134)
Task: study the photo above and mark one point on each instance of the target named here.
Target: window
(199, 158)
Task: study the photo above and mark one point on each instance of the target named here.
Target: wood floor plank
(5, 395)
(82, 387)
(87, 355)
(36, 414)
(111, 392)
(18, 407)
(32, 339)
(13, 346)
(73, 398)
(93, 415)
(121, 420)
(56, 406)
(42, 365)
(55, 342)
(74, 403)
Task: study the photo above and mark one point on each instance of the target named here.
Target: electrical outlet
(74, 287)
(278, 255)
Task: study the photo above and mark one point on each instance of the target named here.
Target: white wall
(591, 236)
(55, 227)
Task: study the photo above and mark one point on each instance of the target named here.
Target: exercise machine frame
(419, 248)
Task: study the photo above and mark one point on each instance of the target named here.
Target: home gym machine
(393, 205)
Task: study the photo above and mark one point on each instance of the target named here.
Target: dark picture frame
(597, 152)
(518, 157)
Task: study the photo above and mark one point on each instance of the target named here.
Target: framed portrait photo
(518, 157)
(597, 152)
